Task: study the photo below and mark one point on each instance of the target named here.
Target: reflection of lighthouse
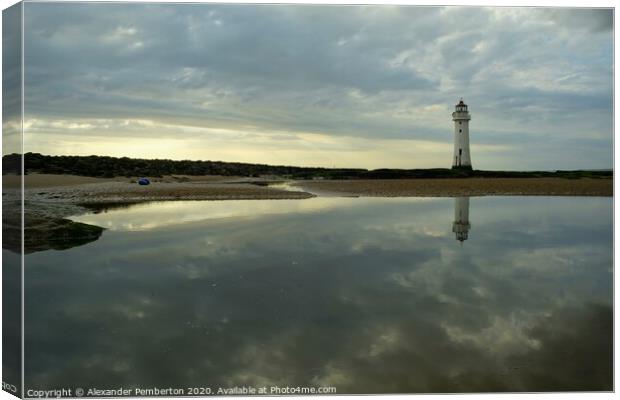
(461, 225)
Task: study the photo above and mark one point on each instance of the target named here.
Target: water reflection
(461, 224)
(43, 228)
(368, 295)
(159, 215)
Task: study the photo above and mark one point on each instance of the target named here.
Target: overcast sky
(343, 86)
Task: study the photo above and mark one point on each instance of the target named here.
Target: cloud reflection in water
(368, 295)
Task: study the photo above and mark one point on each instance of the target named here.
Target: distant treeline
(109, 167)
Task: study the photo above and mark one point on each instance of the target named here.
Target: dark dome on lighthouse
(461, 106)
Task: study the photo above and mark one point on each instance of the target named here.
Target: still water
(368, 295)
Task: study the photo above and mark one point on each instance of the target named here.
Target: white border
(488, 3)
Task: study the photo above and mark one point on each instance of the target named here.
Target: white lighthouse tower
(461, 158)
(461, 224)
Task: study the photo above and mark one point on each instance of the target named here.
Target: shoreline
(51, 200)
(82, 189)
(86, 190)
(70, 192)
(59, 196)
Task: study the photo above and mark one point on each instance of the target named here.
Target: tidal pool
(367, 295)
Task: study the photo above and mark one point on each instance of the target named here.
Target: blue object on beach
(143, 181)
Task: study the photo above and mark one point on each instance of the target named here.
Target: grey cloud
(11, 63)
(594, 20)
(339, 70)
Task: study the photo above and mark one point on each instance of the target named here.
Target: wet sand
(80, 190)
(462, 187)
(34, 181)
(131, 192)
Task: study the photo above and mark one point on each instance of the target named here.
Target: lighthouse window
(460, 130)
(460, 122)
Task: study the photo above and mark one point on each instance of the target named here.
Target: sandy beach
(81, 190)
(462, 187)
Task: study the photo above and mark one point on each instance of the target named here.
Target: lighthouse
(461, 158)
(461, 224)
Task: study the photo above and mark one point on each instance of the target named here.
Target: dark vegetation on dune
(109, 167)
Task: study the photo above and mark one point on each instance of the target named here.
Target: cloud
(11, 80)
(381, 73)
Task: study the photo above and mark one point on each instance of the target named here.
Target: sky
(309, 85)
